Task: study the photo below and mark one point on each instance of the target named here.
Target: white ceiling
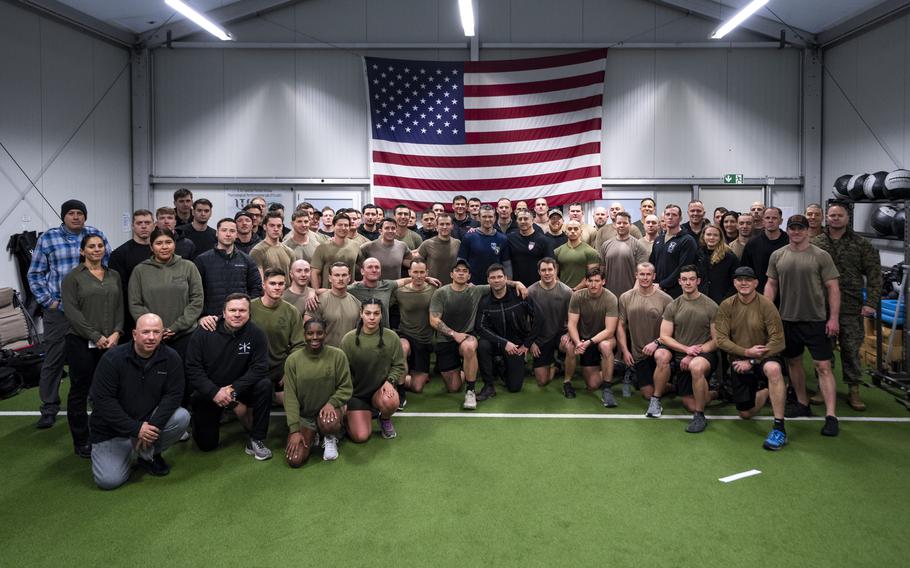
(813, 16)
(138, 16)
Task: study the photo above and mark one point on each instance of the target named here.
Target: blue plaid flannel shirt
(56, 254)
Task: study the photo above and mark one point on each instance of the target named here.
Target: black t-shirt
(556, 241)
(525, 252)
(203, 240)
(124, 259)
(757, 255)
(372, 235)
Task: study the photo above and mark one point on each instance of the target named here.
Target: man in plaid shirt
(56, 253)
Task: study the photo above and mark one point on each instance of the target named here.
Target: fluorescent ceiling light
(466, 9)
(739, 18)
(199, 19)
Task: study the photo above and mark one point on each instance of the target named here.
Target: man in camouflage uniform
(855, 258)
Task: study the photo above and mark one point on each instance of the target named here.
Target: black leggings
(514, 375)
(82, 362)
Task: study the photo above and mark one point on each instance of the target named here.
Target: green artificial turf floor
(493, 491)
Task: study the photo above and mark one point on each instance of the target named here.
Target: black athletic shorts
(357, 403)
(800, 335)
(591, 357)
(746, 385)
(419, 356)
(547, 352)
(644, 371)
(683, 379)
(447, 356)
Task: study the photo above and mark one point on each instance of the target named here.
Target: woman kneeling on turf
(317, 386)
(377, 364)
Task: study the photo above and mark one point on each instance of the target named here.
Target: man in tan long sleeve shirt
(750, 331)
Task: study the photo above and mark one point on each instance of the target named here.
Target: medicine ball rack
(891, 377)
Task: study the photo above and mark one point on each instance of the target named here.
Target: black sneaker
(83, 451)
(402, 397)
(831, 427)
(46, 421)
(796, 410)
(488, 391)
(155, 466)
(568, 390)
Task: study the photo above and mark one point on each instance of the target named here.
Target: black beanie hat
(70, 205)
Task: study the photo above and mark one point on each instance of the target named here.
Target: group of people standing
(336, 317)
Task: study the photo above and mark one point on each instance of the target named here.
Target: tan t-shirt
(298, 300)
(691, 319)
(390, 257)
(302, 252)
(440, 256)
(640, 316)
(608, 232)
(801, 277)
(737, 248)
(272, 256)
(619, 259)
(592, 312)
(329, 253)
(340, 315)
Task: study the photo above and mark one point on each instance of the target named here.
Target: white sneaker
(330, 448)
(470, 400)
(655, 409)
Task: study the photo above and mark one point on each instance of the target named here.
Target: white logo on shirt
(243, 348)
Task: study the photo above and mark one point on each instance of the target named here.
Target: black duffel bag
(27, 361)
(10, 381)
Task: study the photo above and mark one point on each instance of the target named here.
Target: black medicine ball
(899, 223)
(874, 186)
(897, 184)
(882, 219)
(855, 186)
(840, 185)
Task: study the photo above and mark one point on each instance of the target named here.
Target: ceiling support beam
(873, 16)
(712, 10)
(73, 17)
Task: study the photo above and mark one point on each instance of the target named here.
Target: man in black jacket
(228, 369)
(136, 394)
(225, 270)
(757, 252)
(503, 328)
(673, 249)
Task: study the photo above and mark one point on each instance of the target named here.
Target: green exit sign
(733, 178)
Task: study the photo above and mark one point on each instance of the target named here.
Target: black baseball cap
(744, 272)
(798, 221)
(461, 262)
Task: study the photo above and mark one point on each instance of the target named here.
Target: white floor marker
(736, 476)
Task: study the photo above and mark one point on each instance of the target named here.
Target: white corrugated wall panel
(52, 77)
(629, 120)
(872, 69)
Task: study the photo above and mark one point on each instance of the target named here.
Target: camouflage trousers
(850, 339)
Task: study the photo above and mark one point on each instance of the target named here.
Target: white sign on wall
(235, 200)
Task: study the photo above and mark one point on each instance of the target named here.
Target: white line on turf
(740, 475)
(406, 414)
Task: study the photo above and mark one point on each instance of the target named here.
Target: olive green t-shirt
(640, 316)
(370, 364)
(414, 306)
(801, 277)
(592, 312)
(283, 326)
(382, 292)
(391, 257)
(440, 255)
(412, 239)
(339, 314)
(329, 253)
(691, 319)
(458, 309)
(573, 262)
(551, 309)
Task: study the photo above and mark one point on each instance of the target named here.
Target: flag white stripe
(534, 75)
(462, 150)
(456, 174)
(527, 123)
(487, 196)
(535, 98)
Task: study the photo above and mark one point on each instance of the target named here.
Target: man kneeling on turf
(136, 396)
(317, 387)
(687, 346)
(228, 368)
(750, 330)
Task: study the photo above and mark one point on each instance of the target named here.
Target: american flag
(520, 129)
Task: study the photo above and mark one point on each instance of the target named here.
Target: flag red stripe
(537, 63)
(487, 184)
(532, 110)
(532, 133)
(486, 161)
(418, 204)
(534, 86)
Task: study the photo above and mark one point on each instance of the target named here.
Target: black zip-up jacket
(509, 318)
(668, 256)
(215, 359)
(128, 390)
(717, 279)
(223, 274)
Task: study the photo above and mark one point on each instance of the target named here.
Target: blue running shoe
(775, 440)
